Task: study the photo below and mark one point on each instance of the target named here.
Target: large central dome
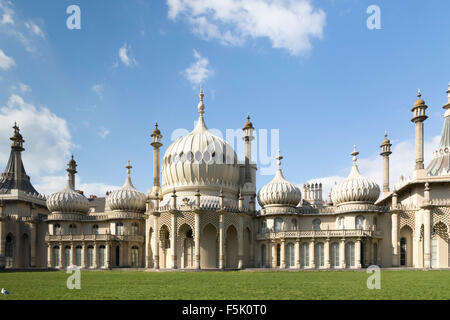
(200, 159)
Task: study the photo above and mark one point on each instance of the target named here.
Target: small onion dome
(156, 131)
(419, 102)
(356, 188)
(248, 124)
(279, 191)
(127, 198)
(68, 201)
(386, 141)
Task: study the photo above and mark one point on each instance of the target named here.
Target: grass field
(257, 285)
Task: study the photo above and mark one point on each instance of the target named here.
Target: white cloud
(5, 61)
(42, 130)
(401, 163)
(199, 71)
(34, 29)
(125, 56)
(24, 88)
(7, 19)
(98, 89)
(288, 24)
(103, 132)
(6, 12)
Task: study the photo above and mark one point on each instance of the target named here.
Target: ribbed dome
(128, 198)
(68, 201)
(200, 159)
(279, 191)
(356, 188)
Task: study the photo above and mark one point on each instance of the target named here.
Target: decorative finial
(279, 158)
(385, 134)
(448, 92)
(128, 166)
(156, 125)
(201, 106)
(248, 117)
(354, 154)
(419, 94)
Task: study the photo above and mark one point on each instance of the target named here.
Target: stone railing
(94, 237)
(319, 234)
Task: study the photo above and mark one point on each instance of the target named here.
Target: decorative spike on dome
(201, 106)
(354, 154)
(448, 93)
(279, 158)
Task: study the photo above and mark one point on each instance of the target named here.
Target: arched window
(134, 256)
(375, 253)
(316, 224)
(403, 251)
(56, 229)
(73, 229)
(319, 255)
(95, 229)
(67, 256)
(263, 226)
(304, 254)
(134, 229)
(90, 256)
(290, 255)
(101, 256)
(278, 225)
(294, 224)
(350, 254)
(334, 254)
(263, 256)
(56, 256)
(78, 256)
(278, 255)
(360, 222)
(375, 222)
(9, 250)
(119, 228)
(341, 225)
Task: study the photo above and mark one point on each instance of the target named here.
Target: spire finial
(279, 158)
(156, 125)
(128, 166)
(201, 106)
(354, 154)
(448, 92)
(418, 93)
(248, 116)
(385, 133)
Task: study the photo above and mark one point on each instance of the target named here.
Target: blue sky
(326, 83)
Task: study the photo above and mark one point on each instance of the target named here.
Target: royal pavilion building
(201, 212)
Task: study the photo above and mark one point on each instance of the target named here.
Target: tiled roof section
(7, 181)
(97, 203)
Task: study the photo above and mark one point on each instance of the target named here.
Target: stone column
(108, 255)
(197, 240)
(17, 238)
(49, 255)
(95, 263)
(426, 238)
(241, 242)
(394, 219)
(61, 256)
(297, 253)
(83, 255)
(312, 258)
(147, 255)
(2, 239)
(155, 242)
(283, 254)
(274, 254)
(173, 241)
(358, 253)
(72, 254)
(33, 244)
(326, 248)
(128, 246)
(342, 253)
(221, 242)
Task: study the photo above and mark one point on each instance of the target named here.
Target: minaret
(71, 170)
(17, 148)
(419, 117)
(156, 144)
(385, 153)
(248, 137)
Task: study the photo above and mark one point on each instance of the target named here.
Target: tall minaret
(248, 137)
(17, 148)
(419, 117)
(156, 144)
(71, 170)
(385, 153)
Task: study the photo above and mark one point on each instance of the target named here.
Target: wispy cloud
(98, 90)
(34, 29)
(5, 61)
(199, 71)
(103, 132)
(125, 56)
(288, 24)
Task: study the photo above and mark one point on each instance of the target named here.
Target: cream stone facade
(203, 214)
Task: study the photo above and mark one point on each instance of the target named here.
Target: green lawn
(255, 285)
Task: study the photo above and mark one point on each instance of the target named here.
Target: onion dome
(279, 191)
(68, 200)
(128, 198)
(356, 188)
(419, 101)
(248, 124)
(200, 159)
